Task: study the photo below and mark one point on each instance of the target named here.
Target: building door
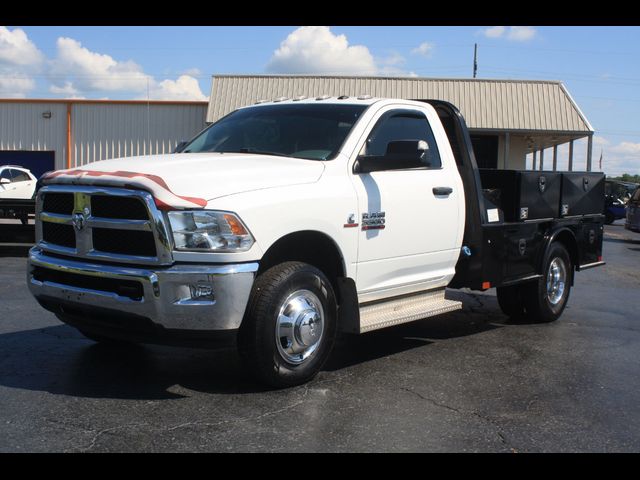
(38, 162)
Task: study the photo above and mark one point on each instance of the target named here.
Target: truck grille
(123, 288)
(105, 206)
(58, 234)
(127, 242)
(58, 203)
(106, 224)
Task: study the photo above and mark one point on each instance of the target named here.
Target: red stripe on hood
(125, 174)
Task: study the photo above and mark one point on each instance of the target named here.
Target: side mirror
(180, 147)
(4, 181)
(400, 155)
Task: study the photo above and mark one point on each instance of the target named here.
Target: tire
(290, 325)
(511, 301)
(545, 299)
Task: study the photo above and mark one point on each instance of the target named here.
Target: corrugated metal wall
(22, 127)
(99, 130)
(485, 104)
(121, 130)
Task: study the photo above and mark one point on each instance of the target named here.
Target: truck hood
(189, 180)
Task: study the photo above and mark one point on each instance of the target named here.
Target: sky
(598, 65)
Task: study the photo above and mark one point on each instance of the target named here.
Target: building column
(542, 159)
(589, 152)
(533, 167)
(507, 140)
(555, 158)
(571, 156)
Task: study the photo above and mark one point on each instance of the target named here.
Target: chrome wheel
(556, 281)
(299, 326)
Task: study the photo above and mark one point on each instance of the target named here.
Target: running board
(405, 309)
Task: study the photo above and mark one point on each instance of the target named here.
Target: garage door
(37, 162)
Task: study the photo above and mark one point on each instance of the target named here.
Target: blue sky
(599, 65)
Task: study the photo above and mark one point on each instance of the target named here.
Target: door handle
(442, 191)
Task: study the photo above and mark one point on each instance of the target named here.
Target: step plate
(406, 309)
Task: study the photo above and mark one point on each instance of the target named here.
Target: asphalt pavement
(468, 381)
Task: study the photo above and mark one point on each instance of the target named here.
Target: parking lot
(466, 381)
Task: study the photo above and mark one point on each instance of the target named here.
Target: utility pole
(475, 59)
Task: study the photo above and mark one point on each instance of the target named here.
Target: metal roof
(503, 105)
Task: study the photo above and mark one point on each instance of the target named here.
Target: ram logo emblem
(78, 220)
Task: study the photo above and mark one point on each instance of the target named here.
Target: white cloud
(514, 34)
(316, 50)
(494, 32)
(77, 67)
(66, 89)
(184, 88)
(425, 49)
(15, 87)
(77, 70)
(19, 60)
(627, 148)
(521, 34)
(16, 49)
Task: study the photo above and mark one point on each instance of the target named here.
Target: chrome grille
(58, 203)
(102, 223)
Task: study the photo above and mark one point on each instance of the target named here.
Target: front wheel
(546, 299)
(289, 327)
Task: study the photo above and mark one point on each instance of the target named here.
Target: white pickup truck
(286, 222)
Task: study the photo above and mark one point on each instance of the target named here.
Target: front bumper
(161, 295)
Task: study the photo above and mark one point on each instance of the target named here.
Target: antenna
(475, 59)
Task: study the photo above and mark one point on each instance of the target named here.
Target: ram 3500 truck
(286, 222)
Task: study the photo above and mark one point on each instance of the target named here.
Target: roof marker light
(260, 101)
(366, 96)
(343, 97)
(299, 97)
(322, 97)
(280, 99)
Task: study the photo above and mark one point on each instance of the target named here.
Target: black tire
(538, 300)
(511, 301)
(258, 335)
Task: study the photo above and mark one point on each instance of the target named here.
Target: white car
(16, 182)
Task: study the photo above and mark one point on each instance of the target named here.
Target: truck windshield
(310, 131)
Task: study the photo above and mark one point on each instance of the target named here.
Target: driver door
(411, 227)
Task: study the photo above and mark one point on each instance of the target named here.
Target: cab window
(5, 174)
(402, 126)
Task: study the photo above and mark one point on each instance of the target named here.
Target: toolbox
(525, 194)
(582, 193)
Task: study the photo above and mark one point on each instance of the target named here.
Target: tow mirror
(4, 181)
(400, 155)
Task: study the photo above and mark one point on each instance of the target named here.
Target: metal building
(507, 119)
(52, 134)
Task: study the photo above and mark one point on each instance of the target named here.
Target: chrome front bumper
(167, 298)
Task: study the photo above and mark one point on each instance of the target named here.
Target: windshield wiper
(257, 152)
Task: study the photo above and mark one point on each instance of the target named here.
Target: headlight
(209, 230)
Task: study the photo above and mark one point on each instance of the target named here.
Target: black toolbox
(582, 193)
(524, 194)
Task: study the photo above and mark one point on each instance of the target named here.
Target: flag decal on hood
(164, 198)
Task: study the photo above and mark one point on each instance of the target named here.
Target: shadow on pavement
(59, 360)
